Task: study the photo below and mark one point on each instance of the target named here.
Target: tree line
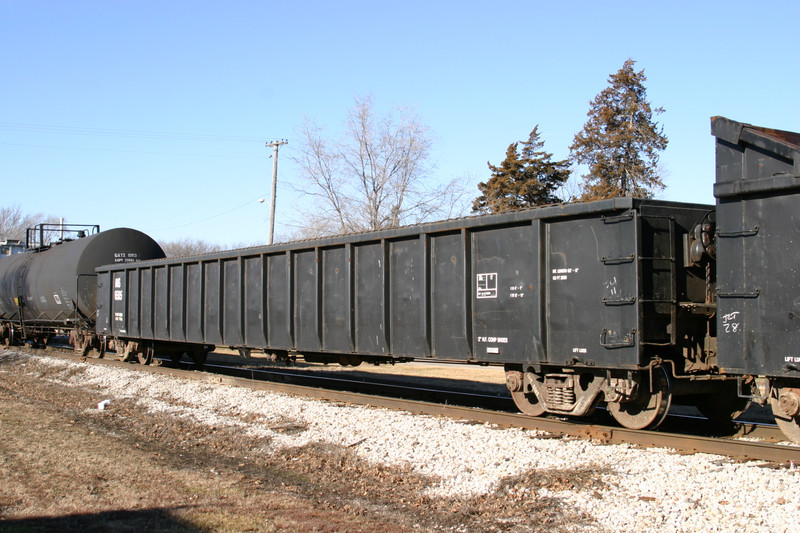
(377, 174)
(14, 223)
(619, 144)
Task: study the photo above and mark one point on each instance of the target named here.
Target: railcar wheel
(96, 347)
(726, 404)
(199, 356)
(527, 402)
(649, 409)
(145, 355)
(82, 343)
(785, 403)
(14, 335)
(123, 349)
(244, 352)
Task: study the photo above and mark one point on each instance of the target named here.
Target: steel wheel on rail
(726, 404)
(526, 401)
(145, 355)
(8, 334)
(649, 409)
(785, 403)
(124, 349)
(82, 342)
(199, 356)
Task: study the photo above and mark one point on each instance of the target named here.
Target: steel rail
(378, 386)
(733, 448)
(382, 385)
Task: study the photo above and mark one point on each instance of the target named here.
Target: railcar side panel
(146, 303)
(336, 304)
(306, 297)
(451, 294)
(177, 302)
(233, 301)
(254, 299)
(195, 298)
(408, 277)
(280, 291)
(119, 312)
(130, 305)
(566, 285)
(759, 329)
(593, 298)
(758, 221)
(161, 311)
(505, 264)
(212, 283)
(370, 298)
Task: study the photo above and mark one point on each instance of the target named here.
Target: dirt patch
(66, 465)
(448, 376)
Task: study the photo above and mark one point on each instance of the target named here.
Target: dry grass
(67, 466)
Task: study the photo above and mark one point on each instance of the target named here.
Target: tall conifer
(620, 143)
(525, 178)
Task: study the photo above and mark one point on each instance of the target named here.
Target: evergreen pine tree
(620, 143)
(524, 179)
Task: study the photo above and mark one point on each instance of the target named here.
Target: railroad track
(379, 386)
(693, 434)
(762, 443)
(452, 391)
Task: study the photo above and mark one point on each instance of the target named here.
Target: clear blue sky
(154, 114)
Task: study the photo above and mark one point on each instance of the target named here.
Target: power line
(20, 127)
(216, 215)
(52, 147)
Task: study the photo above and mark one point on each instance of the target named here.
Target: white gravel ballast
(645, 490)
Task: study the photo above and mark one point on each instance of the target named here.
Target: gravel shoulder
(167, 454)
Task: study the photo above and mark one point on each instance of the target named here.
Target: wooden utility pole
(274, 145)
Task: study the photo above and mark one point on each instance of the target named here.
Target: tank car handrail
(35, 236)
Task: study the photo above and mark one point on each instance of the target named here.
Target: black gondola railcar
(581, 302)
(758, 268)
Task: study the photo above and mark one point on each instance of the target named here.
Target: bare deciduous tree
(13, 223)
(376, 177)
(184, 247)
